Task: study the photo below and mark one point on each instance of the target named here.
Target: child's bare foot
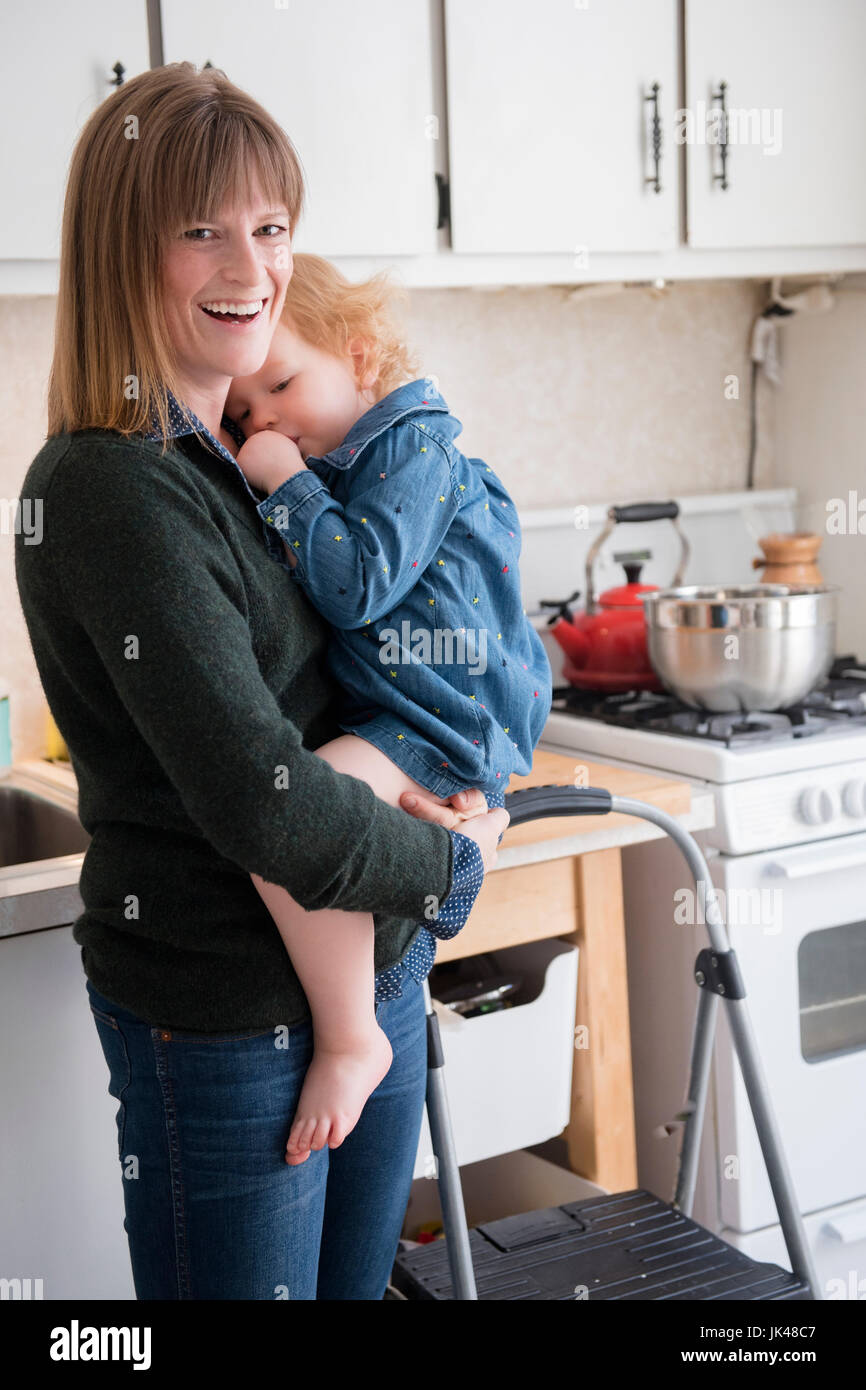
(335, 1090)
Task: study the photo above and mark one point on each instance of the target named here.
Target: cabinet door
(550, 132)
(61, 1198)
(352, 86)
(796, 155)
(55, 70)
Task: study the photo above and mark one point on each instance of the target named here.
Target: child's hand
(469, 804)
(268, 459)
(462, 806)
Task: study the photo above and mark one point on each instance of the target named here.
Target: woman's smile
(234, 313)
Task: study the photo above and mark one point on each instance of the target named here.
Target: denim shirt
(467, 865)
(410, 550)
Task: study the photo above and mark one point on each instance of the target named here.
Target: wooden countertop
(531, 843)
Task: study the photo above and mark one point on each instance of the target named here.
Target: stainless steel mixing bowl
(748, 647)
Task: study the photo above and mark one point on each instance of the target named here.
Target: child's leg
(332, 953)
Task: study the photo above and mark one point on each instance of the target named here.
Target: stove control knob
(854, 798)
(816, 806)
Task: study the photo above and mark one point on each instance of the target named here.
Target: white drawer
(508, 1074)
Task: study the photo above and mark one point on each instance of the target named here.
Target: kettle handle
(631, 512)
(560, 607)
(645, 511)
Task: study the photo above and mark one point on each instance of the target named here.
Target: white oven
(804, 962)
(788, 856)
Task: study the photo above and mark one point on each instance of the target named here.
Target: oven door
(797, 920)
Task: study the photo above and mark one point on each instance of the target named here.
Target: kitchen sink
(32, 827)
(42, 844)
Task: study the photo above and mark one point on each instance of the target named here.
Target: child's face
(302, 392)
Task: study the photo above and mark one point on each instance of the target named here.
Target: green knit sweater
(187, 674)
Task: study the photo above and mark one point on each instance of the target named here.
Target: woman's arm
(359, 561)
(139, 562)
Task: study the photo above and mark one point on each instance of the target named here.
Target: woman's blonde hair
(164, 152)
(329, 311)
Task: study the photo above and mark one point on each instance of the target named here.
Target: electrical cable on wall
(817, 299)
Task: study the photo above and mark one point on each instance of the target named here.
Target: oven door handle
(808, 865)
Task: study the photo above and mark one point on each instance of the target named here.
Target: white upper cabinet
(795, 165)
(352, 86)
(549, 126)
(577, 136)
(56, 67)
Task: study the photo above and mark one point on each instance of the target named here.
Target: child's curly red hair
(329, 311)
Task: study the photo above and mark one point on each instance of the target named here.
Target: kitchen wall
(599, 396)
(570, 399)
(821, 433)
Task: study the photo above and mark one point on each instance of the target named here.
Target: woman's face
(242, 258)
(307, 394)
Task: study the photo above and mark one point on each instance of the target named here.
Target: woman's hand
(486, 828)
(267, 459)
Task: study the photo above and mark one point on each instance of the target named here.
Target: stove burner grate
(831, 707)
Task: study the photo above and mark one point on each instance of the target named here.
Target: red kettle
(605, 643)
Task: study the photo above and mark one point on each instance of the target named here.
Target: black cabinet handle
(719, 96)
(656, 137)
(443, 202)
(119, 73)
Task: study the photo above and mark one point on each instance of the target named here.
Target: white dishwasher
(61, 1209)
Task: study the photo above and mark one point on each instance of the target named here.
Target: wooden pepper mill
(789, 558)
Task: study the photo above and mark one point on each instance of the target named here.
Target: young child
(409, 550)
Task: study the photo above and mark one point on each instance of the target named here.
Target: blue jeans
(213, 1211)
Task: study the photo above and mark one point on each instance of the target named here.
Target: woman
(187, 676)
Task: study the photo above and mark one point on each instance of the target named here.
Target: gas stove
(829, 709)
(657, 730)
